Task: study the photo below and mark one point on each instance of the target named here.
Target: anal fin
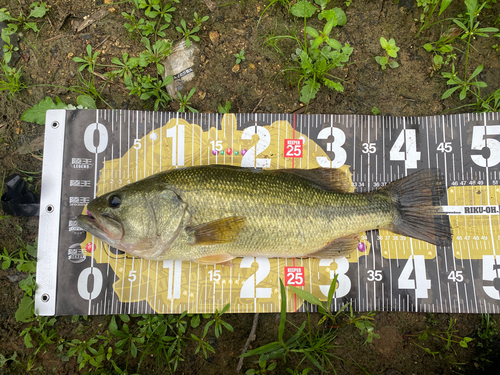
(340, 247)
(216, 232)
(224, 259)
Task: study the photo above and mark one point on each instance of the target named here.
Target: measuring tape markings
(359, 179)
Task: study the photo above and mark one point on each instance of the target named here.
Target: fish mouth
(102, 226)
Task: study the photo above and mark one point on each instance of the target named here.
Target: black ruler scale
(91, 152)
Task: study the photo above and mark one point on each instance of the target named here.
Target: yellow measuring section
(395, 246)
(253, 284)
(475, 234)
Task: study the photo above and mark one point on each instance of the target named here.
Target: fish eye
(114, 201)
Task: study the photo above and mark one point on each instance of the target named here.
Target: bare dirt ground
(411, 89)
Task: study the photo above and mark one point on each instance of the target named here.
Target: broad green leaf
(37, 112)
(444, 5)
(322, 3)
(335, 44)
(393, 64)
(478, 70)
(28, 285)
(338, 87)
(393, 53)
(341, 17)
(448, 92)
(27, 341)
(462, 26)
(383, 42)
(26, 309)
(86, 101)
(317, 42)
(228, 305)
(384, 60)
(38, 10)
(312, 32)
(428, 47)
(303, 9)
(27, 267)
(32, 26)
(438, 60)
(309, 91)
(471, 5)
(195, 321)
(330, 25)
(7, 56)
(6, 264)
(463, 93)
(446, 49)
(4, 15)
(488, 30)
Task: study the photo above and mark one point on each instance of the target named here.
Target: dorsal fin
(327, 178)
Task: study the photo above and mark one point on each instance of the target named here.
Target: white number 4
(456, 276)
(374, 275)
(421, 284)
(411, 156)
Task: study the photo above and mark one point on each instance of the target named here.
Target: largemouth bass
(212, 214)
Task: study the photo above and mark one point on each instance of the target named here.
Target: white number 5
(478, 143)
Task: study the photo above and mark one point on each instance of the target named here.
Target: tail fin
(416, 198)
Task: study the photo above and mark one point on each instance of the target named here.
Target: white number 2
(411, 156)
(248, 289)
(421, 284)
(250, 159)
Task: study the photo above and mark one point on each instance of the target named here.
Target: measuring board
(91, 152)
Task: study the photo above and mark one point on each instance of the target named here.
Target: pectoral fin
(216, 232)
(224, 259)
(340, 247)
